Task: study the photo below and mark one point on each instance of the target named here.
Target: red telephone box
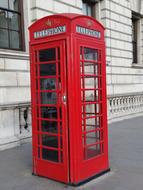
(68, 86)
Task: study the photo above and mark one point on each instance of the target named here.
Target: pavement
(126, 162)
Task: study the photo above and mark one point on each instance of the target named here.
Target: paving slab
(126, 162)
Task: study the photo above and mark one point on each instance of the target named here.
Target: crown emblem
(89, 23)
(49, 23)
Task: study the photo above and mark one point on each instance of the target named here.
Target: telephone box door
(50, 148)
(93, 132)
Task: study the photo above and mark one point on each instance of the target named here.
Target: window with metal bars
(88, 8)
(134, 38)
(11, 24)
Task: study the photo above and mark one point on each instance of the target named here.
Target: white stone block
(115, 52)
(108, 69)
(115, 34)
(108, 59)
(110, 89)
(70, 2)
(28, 66)
(79, 3)
(119, 70)
(103, 14)
(6, 123)
(113, 25)
(127, 12)
(1, 63)
(16, 64)
(59, 7)
(114, 16)
(33, 15)
(40, 13)
(108, 79)
(108, 23)
(128, 46)
(128, 88)
(103, 22)
(108, 52)
(14, 95)
(33, 3)
(107, 33)
(16, 122)
(45, 5)
(23, 79)
(107, 4)
(75, 10)
(8, 79)
(108, 41)
(128, 29)
(125, 20)
(118, 61)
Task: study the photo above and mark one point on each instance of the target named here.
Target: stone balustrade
(125, 106)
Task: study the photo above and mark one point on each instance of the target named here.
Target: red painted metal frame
(75, 168)
(57, 171)
(97, 164)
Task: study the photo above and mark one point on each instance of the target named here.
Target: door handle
(64, 98)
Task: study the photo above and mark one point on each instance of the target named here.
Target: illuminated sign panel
(88, 32)
(50, 32)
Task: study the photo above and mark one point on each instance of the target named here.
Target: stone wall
(124, 79)
(14, 92)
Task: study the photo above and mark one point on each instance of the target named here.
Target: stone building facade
(123, 21)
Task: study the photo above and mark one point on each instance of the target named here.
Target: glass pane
(89, 68)
(49, 112)
(51, 155)
(51, 141)
(3, 19)
(88, 110)
(4, 4)
(90, 54)
(48, 84)
(14, 40)
(88, 95)
(92, 124)
(91, 95)
(13, 21)
(58, 53)
(49, 126)
(47, 69)
(93, 151)
(38, 152)
(4, 38)
(89, 10)
(47, 55)
(13, 5)
(92, 109)
(61, 156)
(86, 9)
(90, 82)
(48, 98)
(92, 138)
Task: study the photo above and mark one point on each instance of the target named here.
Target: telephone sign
(68, 90)
(89, 32)
(49, 32)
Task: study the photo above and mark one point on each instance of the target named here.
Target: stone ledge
(14, 54)
(14, 105)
